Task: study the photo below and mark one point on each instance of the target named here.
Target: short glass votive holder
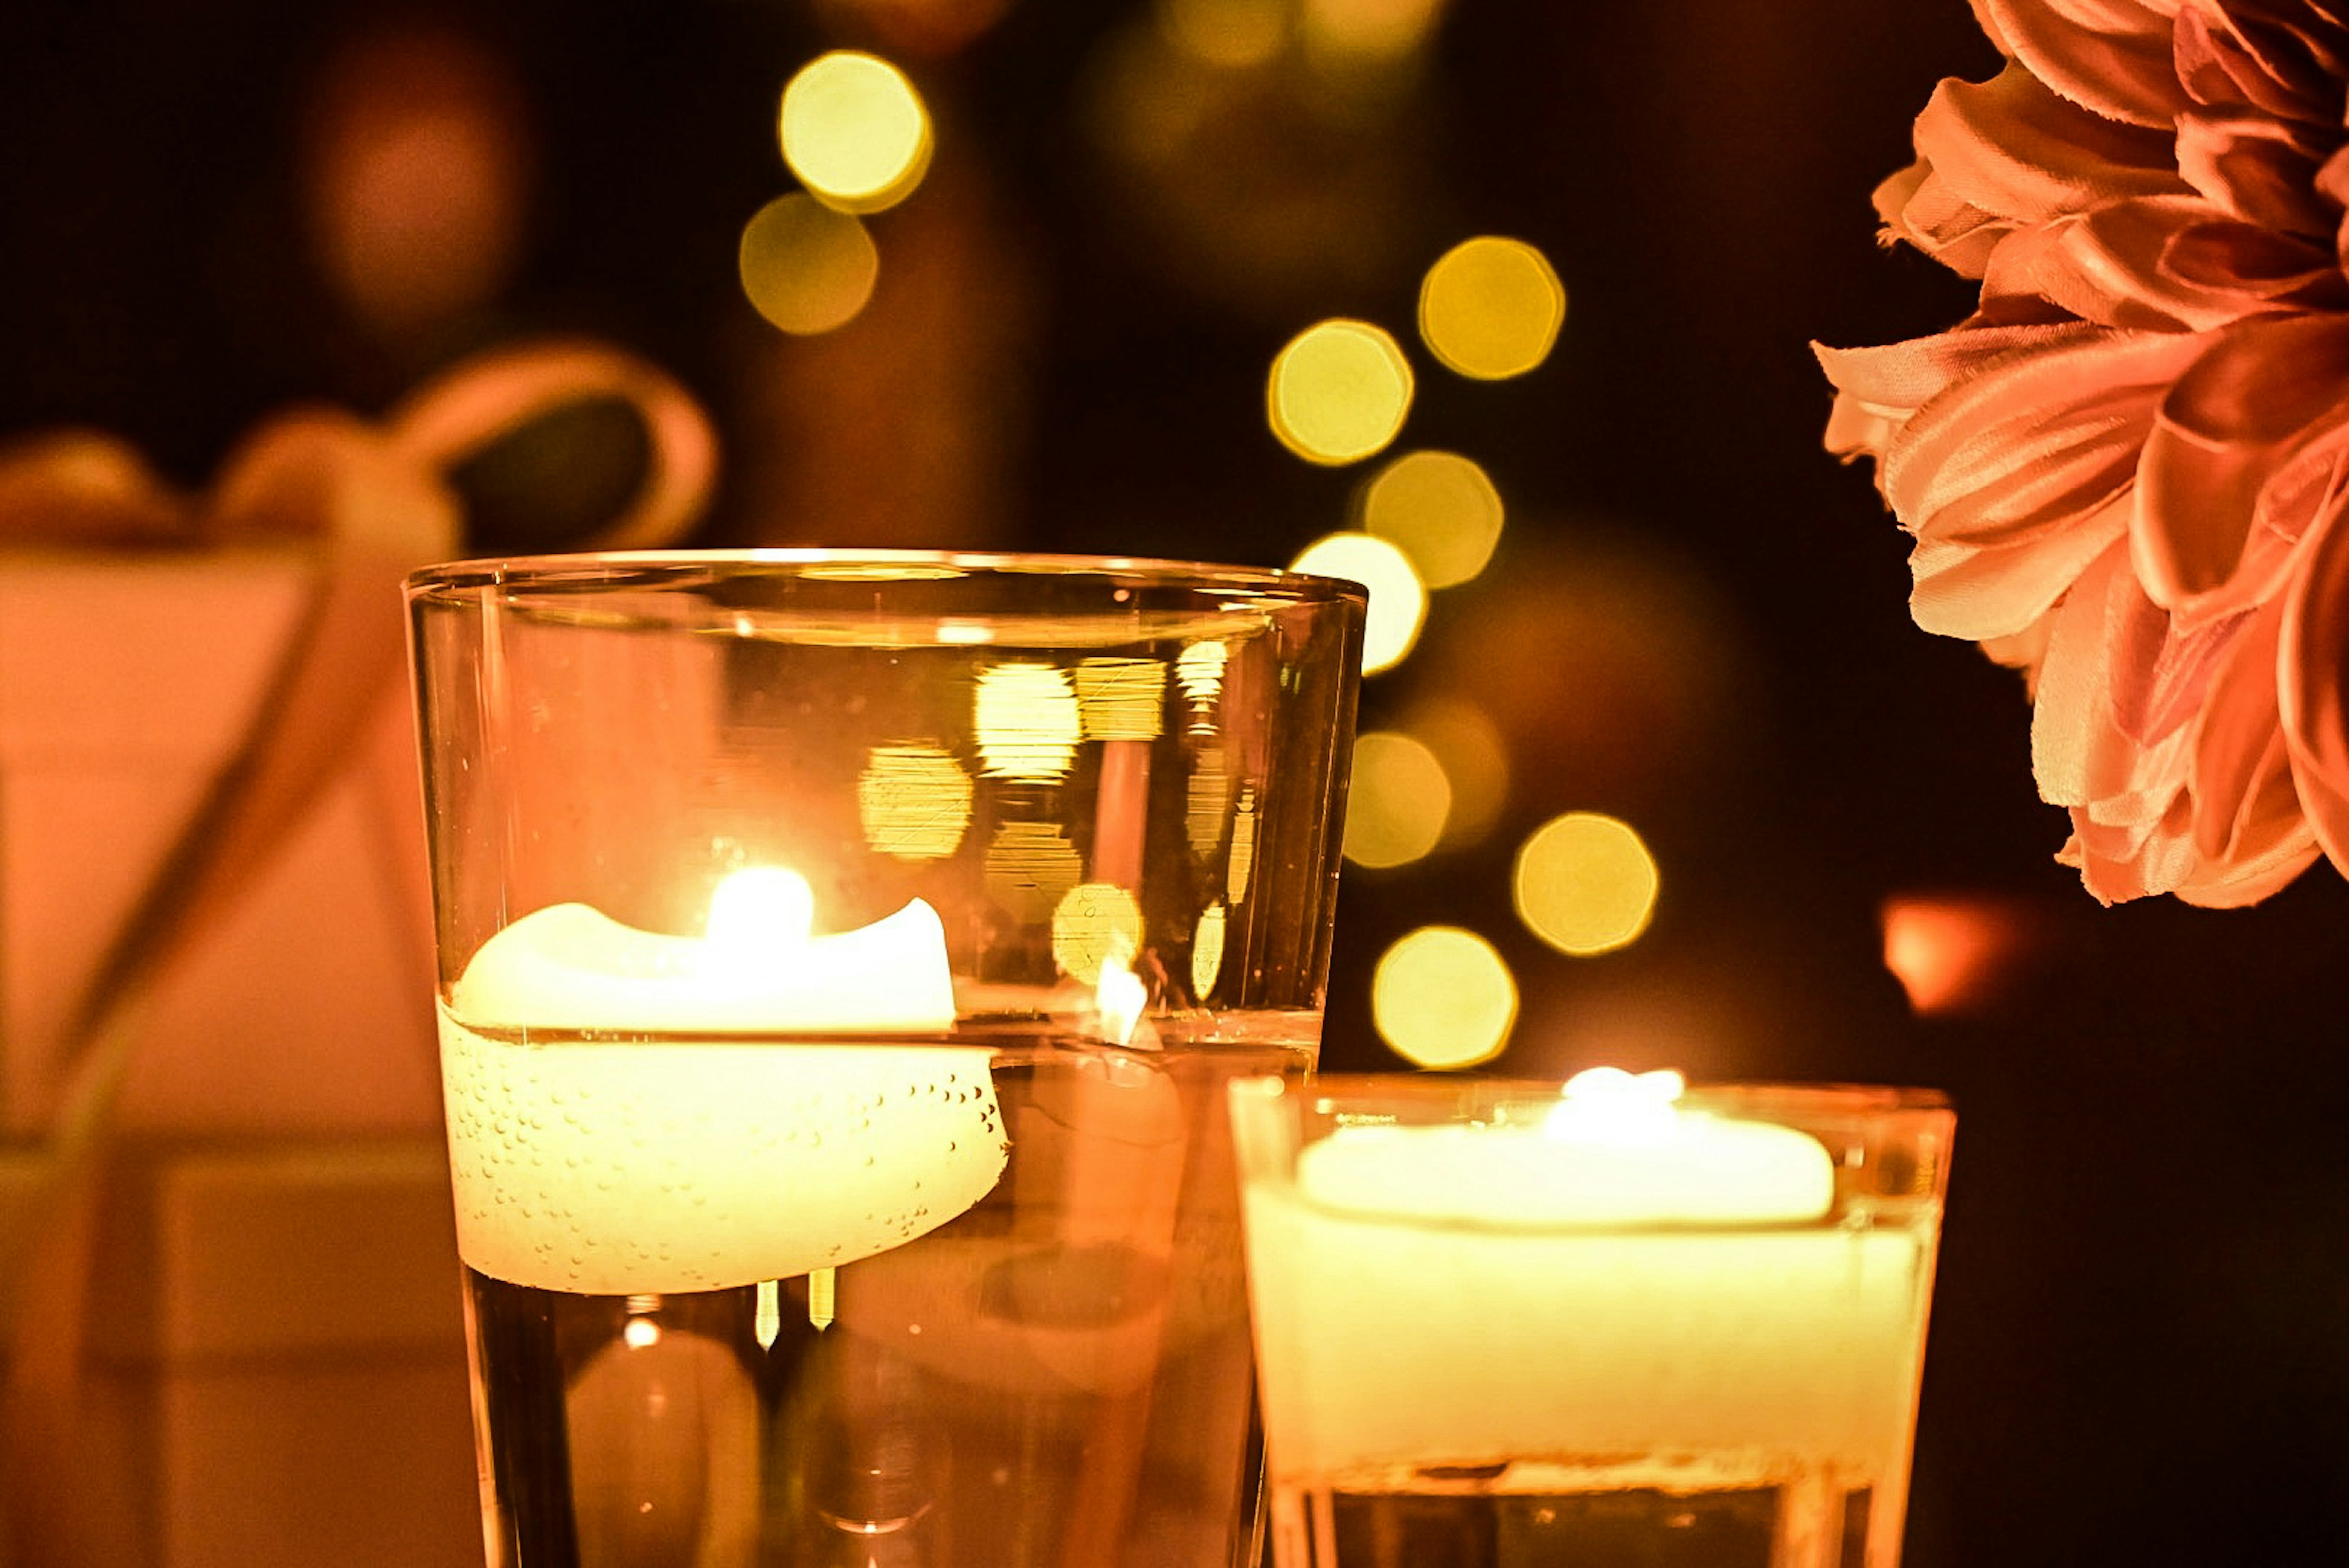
(843, 959)
(1498, 1324)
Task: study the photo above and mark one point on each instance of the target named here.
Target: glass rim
(1429, 1088)
(590, 570)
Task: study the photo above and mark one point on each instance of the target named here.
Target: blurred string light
(1490, 308)
(1121, 699)
(1208, 950)
(914, 802)
(854, 131)
(1476, 760)
(1585, 883)
(1397, 599)
(806, 268)
(1444, 997)
(1399, 797)
(1030, 867)
(1339, 391)
(1440, 509)
(1242, 864)
(1094, 923)
(1028, 721)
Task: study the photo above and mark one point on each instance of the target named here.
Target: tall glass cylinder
(841, 961)
(1502, 1326)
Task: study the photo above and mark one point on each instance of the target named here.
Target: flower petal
(1992, 595)
(2010, 147)
(2112, 56)
(2313, 696)
(2255, 394)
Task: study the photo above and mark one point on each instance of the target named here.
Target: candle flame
(1119, 997)
(1610, 1105)
(757, 910)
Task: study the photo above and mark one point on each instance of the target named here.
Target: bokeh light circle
(806, 268)
(1398, 801)
(1444, 997)
(1440, 509)
(1490, 308)
(1585, 883)
(1339, 392)
(1398, 599)
(854, 131)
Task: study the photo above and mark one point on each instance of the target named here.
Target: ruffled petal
(2111, 57)
(1992, 595)
(2010, 147)
(2033, 438)
(2260, 389)
(2112, 266)
(2313, 680)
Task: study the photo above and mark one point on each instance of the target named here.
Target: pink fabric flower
(2125, 472)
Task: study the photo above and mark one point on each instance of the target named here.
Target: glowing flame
(1609, 1104)
(1120, 999)
(756, 912)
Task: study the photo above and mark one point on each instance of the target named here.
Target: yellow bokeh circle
(806, 268)
(1585, 883)
(1399, 802)
(854, 131)
(1490, 308)
(1094, 922)
(1444, 997)
(1440, 509)
(1398, 599)
(1339, 391)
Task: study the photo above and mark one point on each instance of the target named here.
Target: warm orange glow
(1490, 308)
(1476, 760)
(1339, 392)
(1232, 33)
(1440, 509)
(806, 268)
(1586, 884)
(1397, 599)
(1951, 951)
(1397, 806)
(416, 188)
(1375, 29)
(914, 802)
(1444, 997)
(854, 131)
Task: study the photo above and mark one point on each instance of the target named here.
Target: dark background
(2140, 1350)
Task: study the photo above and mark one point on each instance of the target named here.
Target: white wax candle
(1661, 1294)
(705, 1158)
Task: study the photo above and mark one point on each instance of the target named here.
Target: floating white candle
(707, 1158)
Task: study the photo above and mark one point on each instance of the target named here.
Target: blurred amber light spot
(1490, 308)
(1953, 952)
(1028, 721)
(914, 802)
(1207, 952)
(1586, 884)
(1398, 599)
(1093, 923)
(1231, 34)
(854, 131)
(1339, 392)
(1400, 799)
(1476, 762)
(806, 268)
(1440, 509)
(1444, 997)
